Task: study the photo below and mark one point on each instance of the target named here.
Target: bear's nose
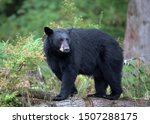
(64, 47)
(67, 50)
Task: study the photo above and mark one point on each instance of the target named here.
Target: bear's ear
(48, 31)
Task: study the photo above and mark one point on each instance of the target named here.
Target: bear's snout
(64, 47)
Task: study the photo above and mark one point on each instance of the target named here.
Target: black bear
(74, 51)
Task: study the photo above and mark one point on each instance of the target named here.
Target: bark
(43, 99)
(137, 36)
(100, 102)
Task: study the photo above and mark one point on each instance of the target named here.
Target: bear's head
(58, 38)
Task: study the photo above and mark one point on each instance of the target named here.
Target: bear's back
(92, 35)
(90, 38)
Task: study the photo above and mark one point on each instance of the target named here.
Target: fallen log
(100, 102)
(44, 99)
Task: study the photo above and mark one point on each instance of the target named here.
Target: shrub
(19, 59)
(136, 79)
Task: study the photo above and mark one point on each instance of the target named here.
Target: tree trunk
(137, 37)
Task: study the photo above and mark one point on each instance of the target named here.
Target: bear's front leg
(68, 79)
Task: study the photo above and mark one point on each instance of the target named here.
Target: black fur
(93, 53)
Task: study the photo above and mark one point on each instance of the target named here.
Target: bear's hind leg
(114, 80)
(116, 88)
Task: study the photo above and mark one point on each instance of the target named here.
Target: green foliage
(51, 82)
(17, 60)
(110, 14)
(136, 79)
(30, 16)
(25, 55)
(9, 100)
(71, 18)
(84, 85)
(2, 54)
